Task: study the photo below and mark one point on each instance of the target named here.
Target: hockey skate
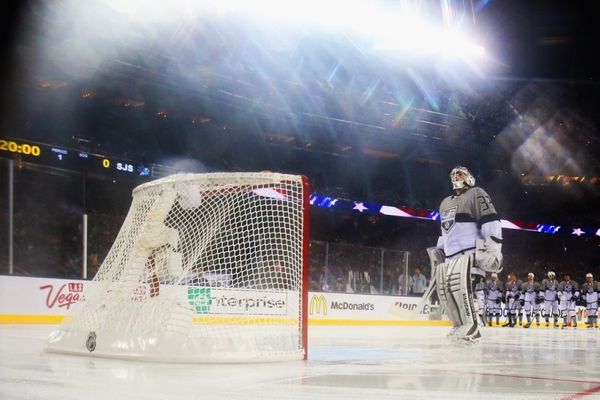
(452, 333)
(466, 334)
(510, 322)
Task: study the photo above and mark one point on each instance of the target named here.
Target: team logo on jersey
(530, 289)
(568, 288)
(448, 217)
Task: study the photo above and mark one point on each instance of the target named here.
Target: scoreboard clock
(69, 159)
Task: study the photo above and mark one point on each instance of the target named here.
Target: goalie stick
(436, 257)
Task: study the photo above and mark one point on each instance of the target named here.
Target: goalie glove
(488, 254)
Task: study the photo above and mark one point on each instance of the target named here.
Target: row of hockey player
(558, 300)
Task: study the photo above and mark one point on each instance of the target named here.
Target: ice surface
(345, 363)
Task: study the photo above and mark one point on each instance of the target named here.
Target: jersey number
(485, 202)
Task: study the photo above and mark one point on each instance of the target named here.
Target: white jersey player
(591, 290)
(495, 291)
(568, 292)
(513, 299)
(549, 291)
(532, 300)
(470, 243)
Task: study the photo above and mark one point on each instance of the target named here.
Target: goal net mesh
(206, 267)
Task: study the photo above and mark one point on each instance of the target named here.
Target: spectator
(418, 283)
(340, 286)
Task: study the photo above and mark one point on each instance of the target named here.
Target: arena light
(328, 13)
(398, 27)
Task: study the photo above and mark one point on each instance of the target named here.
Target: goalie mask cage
(206, 268)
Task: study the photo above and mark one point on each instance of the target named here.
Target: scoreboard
(78, 160)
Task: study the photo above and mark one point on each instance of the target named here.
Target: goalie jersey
(465, 218)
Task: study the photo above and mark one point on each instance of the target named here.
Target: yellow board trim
(57, 319)
(30, 319)
(379, 322)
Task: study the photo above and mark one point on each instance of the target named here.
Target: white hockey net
(206, 267)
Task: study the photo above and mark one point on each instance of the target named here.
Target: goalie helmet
(461, 177)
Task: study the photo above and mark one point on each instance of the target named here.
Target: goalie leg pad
(442, 292)
(460, 294)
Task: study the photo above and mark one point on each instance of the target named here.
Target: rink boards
(46, 301)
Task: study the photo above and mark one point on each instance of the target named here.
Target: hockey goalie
(470, 245)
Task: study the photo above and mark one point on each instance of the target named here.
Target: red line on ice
(583, 393)
(574, 396)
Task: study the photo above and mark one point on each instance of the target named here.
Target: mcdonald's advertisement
(354, 307)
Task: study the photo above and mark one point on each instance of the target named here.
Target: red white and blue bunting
(406, 212)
